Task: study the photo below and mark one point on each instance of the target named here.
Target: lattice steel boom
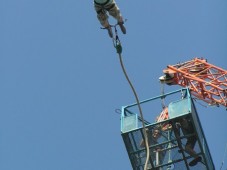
(205, 81)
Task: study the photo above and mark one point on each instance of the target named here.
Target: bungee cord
(117, 45)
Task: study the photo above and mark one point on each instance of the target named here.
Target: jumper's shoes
(195, 161)
(123, 29)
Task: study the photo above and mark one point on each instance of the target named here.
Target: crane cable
(162, 94)
(224, 156)
(117, 45)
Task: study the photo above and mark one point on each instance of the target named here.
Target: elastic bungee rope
(117, 45)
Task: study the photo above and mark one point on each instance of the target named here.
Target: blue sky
(61, 79)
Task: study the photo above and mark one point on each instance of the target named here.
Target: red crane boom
(205, 81)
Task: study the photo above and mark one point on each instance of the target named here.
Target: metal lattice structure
(206, 82)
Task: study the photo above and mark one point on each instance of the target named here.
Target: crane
(206, 81)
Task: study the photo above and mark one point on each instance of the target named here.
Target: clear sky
(61, 79)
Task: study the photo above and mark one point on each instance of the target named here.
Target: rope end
(119, 48)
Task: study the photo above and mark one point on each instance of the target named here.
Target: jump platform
(168, 151)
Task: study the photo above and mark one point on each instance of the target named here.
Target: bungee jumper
(110, 6)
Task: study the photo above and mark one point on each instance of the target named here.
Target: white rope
(140, 110)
